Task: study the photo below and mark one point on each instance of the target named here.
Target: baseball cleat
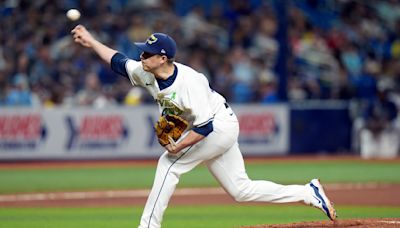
(320, 200)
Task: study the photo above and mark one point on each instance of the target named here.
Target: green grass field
(77, 179)
(178, 216)
(218, 216)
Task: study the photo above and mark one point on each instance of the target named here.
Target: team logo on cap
(152, 39)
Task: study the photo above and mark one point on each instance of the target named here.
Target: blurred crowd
(338, 50)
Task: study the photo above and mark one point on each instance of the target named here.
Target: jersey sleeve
(198, 102)
(118, 62)
(135, 71)
(129, 68)
(205, 130)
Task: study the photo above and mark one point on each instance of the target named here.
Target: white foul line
(104, 194)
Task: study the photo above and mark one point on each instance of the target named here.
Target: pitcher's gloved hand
(169, 129)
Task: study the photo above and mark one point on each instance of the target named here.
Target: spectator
(3, 88)
(264, 44)
(331, 42)
(134, 96)
(380, 138)
(92, 94)
(296, 91)
(268, 88)
(223, 80)
(19, 94)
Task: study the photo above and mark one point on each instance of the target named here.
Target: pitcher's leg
(167, 176)
(229, 170)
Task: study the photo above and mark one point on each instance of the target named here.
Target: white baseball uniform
(191, 97)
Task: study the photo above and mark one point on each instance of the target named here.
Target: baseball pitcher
(196, 125)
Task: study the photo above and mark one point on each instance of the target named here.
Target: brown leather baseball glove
(169, 127)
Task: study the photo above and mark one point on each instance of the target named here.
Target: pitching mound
(365, 223)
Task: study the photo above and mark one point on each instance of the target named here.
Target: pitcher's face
(151, 62)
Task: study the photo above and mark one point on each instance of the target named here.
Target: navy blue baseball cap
(160, 44)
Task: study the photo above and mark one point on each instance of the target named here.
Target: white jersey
(189, 96)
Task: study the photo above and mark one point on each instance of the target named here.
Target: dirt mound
(353, 223)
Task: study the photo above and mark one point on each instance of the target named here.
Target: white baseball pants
(220, 152)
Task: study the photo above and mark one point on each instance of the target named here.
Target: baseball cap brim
(145, 48)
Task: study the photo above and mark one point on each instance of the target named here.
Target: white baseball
(73, 14)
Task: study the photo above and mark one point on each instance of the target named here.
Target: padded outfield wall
(126, 132)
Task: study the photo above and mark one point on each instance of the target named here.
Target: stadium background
(330, 68)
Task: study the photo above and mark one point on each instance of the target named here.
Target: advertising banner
(79, 133)
(264, 130)
(121, 132)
